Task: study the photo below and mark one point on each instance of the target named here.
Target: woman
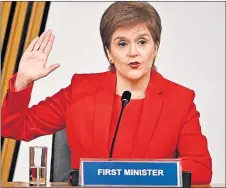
(160, 120)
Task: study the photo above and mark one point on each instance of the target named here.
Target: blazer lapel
(152, 107)
(102, 115)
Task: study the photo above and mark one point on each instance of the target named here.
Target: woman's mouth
(134, 65)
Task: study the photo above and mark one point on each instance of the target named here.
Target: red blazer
(169, 121)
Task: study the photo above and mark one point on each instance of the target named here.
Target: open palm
(33, 62)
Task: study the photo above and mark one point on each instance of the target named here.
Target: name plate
(105, 172)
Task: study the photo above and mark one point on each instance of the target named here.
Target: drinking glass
(37, 165)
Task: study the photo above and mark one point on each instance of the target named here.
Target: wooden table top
(65, 184)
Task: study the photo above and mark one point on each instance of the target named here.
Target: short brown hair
(128, 14)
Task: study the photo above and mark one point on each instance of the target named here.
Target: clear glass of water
(37, 165)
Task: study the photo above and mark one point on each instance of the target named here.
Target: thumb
(51, 68)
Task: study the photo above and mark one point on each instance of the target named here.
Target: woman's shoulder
(92, 80)
(174, 89)
(94, 77)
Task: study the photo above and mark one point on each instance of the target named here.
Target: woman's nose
(133, 51)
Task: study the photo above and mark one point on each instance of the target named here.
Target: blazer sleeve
(22, 123)
(193, 148)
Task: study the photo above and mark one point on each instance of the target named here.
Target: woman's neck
(136, 87)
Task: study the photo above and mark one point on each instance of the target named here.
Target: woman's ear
(156, 49)
(109, 55)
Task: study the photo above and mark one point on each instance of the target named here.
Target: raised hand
(33, 62)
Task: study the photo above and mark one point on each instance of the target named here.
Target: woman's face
(132, 51)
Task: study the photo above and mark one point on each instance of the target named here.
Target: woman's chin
(135, 75)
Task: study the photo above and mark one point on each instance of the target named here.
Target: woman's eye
(142, 42)
(122, 44)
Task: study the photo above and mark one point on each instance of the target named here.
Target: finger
(32, 44)
(45, 41)
(51, 68)
(49, 45)
(39, 42)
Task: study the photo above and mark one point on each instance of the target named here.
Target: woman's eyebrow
(143, 35)
(124, 38)
(120, 37)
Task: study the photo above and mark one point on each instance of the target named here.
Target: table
(65, 184)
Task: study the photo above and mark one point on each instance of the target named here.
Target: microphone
(125, 100)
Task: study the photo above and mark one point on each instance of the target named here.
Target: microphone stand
(124, 102)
